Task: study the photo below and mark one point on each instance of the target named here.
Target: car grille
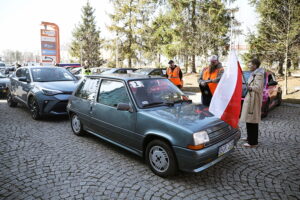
(60, 107)
(219, 135)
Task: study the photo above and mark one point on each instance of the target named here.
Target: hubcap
(159, 159)
(33, 107)
(76, 123)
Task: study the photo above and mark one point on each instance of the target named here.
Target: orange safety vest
(173, 76)
(210, 76)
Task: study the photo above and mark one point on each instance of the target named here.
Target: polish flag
(226, 101)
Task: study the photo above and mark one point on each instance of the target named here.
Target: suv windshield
(155, 92)
(51, 74)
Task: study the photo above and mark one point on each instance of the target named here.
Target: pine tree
(86, 44)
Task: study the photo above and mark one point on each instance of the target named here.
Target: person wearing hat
(174, 74)
(209, 79)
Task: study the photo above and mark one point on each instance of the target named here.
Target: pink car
(272, 92)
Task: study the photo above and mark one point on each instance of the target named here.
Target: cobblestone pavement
(44, 160)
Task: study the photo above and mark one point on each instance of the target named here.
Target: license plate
(226, 147)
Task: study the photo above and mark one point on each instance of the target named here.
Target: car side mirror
(22, 79)
(272, 83)
(124, 107)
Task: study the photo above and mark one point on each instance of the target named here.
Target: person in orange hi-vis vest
(209, 79)
(174, 74)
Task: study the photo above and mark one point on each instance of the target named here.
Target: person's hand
(202, 83)
(249, 88)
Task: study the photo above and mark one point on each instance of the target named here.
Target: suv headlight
(49, 92)
(200, 138)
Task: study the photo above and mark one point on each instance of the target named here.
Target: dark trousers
(206, 95)
(252, 133)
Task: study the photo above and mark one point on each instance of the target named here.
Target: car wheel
(10, 100)
(34, 108)
(266, 109)
(76, 125)
(160, 158)
(279, 99)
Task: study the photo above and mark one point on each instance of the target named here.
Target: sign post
(50, 44)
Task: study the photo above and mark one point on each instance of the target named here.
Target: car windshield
(155, 92)
(51, 74)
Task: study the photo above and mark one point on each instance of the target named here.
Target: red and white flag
(226, 101)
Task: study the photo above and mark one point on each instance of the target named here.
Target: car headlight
(49, 92)
(200, 138)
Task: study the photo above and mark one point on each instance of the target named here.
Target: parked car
(272, 93)
(44, 90)
(151, 71)
(119, 71)
(152, 118)
(99, 70)
(4, 82)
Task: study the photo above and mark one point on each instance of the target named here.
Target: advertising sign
(50, 47)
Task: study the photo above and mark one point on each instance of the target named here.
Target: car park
(151, 71)
(152, 118)
(272, 92)
(44, 90)
(4, 82)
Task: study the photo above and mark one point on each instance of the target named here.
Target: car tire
(34, 108)
(266, 109)
(279, 99)
(10, 100)
(76, 125)
(160, 158)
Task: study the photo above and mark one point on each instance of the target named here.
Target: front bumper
(54, 105)
(196, 161)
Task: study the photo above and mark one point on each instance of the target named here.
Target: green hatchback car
(151, 117)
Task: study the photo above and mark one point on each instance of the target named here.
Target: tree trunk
(280, 68)
(194, 28)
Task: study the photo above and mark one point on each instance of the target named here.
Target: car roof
(125, 77)
(38, 67)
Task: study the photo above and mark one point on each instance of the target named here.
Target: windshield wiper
(161, 103)
(182, 100)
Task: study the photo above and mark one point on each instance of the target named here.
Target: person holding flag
(209, 79)
(226, 101)
(251, 112)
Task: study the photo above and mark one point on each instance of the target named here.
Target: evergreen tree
(129, 19)
(278, 36)
(86, 44)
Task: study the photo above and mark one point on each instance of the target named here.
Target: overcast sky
(20, 20)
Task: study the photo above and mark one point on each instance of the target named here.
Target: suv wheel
(34, 108)
(10, 100)
(76, 125)
(160, 158)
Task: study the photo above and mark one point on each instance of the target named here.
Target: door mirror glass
(124, 107)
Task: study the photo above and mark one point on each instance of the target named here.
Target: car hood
(191, 117)
(66, 86)
(4, 80)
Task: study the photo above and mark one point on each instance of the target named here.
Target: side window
(270, 78)
(19, 73)
(156, 73)
(112, 93)
(121, 71)
(87, 89)
(26, 74)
